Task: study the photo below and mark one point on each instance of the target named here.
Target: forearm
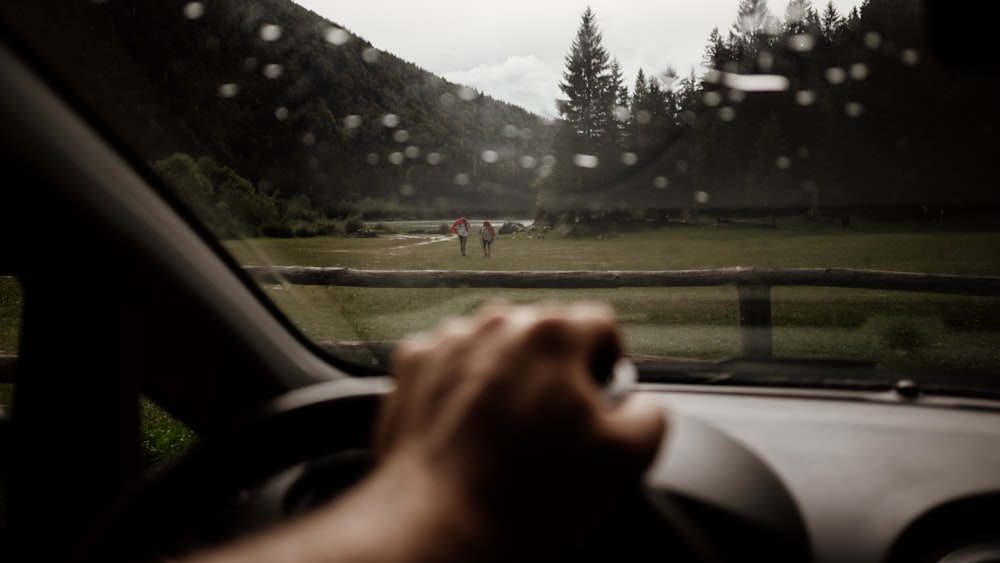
(401, 512)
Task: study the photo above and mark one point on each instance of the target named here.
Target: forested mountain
(281, 114)
(295, 104)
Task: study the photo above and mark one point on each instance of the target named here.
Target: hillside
(288, 104)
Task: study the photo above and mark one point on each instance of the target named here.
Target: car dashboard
(864, 477)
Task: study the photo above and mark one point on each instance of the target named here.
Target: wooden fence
(753, 285)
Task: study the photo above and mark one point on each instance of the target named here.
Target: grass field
(896, 329)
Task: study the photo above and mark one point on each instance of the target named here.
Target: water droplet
(661, 182)
(643, 116)
(727, 114)
(336, 36)
(528, 162)
(462, 179)
(466, 93)
(783, 162)
(910, 57)
(309, 139)
(401, 136)
(630, 159)
(390, 120)
(586, 160)
(434, 158)
(681, 166)
(372, 159)
(858, 71)
(194, 10)
(701, 196)
(802, 43)
(835, 75)
(352, 121)
(412, 152)
(549, 160)
(873, 40)
(854, 109)
(509, 131)
(756, 82)
(407, 190)
(229, 90)
(281, 113)
(712, 98)
(765, 61)
(369, 55)
(805, 97)
(273, 71)
(737, 96)
(544, 171)
(396, 157)
(622, 113)
(489, 156)
(270, 32)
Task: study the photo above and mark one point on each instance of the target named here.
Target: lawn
(897, 329)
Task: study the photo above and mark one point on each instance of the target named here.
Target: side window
(11, 306)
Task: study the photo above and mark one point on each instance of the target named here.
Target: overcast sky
(515, 50)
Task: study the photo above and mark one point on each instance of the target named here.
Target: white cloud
(526, 81)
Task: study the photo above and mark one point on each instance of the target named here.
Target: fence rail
(753, 285)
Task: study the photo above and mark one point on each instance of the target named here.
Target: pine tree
(588, 130)
(590, 95)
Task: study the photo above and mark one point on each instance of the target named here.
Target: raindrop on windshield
(270, 32)
(910, 57)
(229, 90)
(372, 159)
(352, 121)
(630, 159)
(396, 157)
(462, 179)
(765, 61)
(412, 152)
(194, 10)
(873, 40)
(858, 71)
(586, 160)
(528, 162)
(681, 166)
(835, 75)
(273, 71)
(802, 43)
(390, 120)
(727, 114)
(490, 156)
(309, 139)
(622, 113)
(434, 158)
(401, 136)
(701, 196)
(661, 182)
(783, 162)
(509, 131)
(370, 55)
(712, 99)
(467, 94)
(805, 97)
(337, 36)
(281, 113)
(854, 109)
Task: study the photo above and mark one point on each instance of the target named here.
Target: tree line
(272, 119)
(805, 111)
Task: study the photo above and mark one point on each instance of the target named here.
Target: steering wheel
(304, 448)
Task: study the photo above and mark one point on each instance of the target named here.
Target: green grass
(897, 329)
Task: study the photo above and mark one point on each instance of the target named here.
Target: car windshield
(740, 179)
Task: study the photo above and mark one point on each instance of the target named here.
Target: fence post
(755, 320)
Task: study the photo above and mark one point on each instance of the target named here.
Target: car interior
(127, 294)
